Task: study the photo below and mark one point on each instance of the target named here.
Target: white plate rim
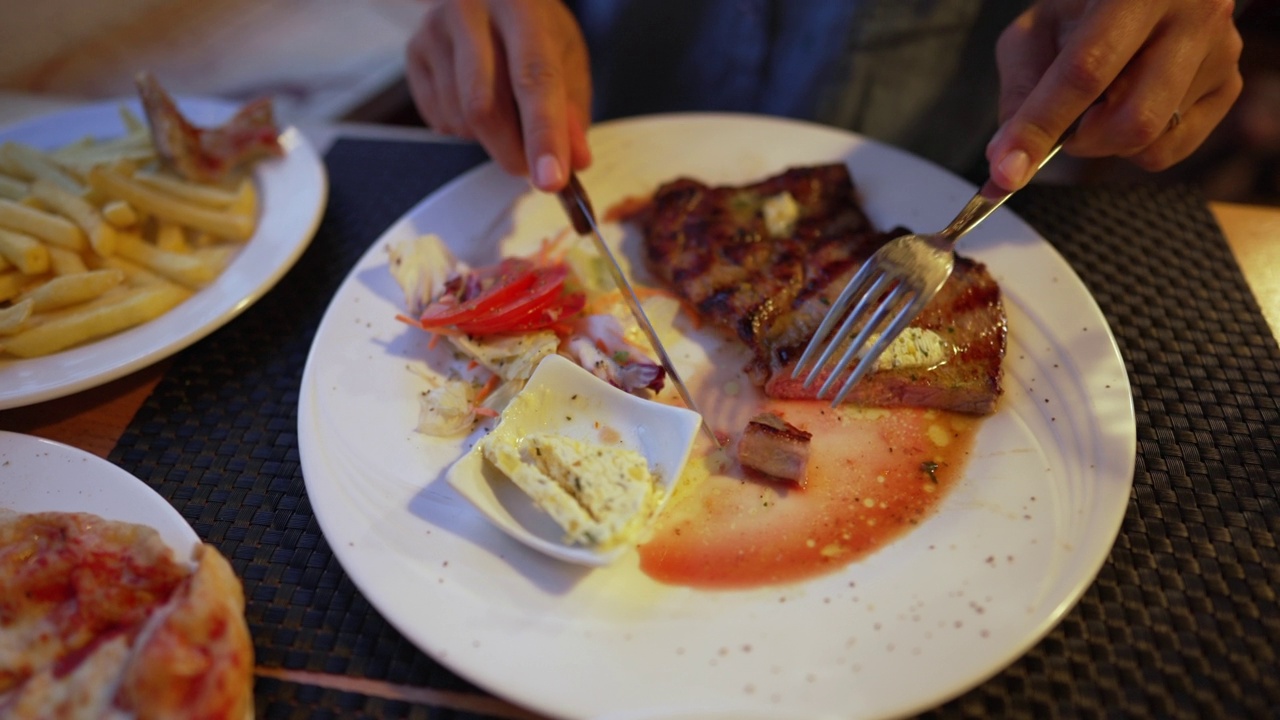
(294, 190)
(319, 466)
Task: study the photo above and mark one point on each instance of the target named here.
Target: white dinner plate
(1009, 551)
(38, 475)
(292, 192)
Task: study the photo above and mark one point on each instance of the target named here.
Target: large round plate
(292, 191)
(45, 476)
(1008, 553)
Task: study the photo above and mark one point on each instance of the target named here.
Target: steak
(720, 249)
(774, 449)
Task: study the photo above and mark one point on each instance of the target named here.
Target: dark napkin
(1183, 620)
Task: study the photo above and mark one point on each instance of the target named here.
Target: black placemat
(1183, 620)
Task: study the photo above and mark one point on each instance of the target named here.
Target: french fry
(203, 239)
(53, 229)
(107, 315)
(12, 317)
(71, 289)
(31, 164)
(210, 196)
(135, 275)
(84, 142)
(222, 224)
(194, 269)
(170, 236)
(12, 188)
(11, 284)
(102, 237)
(65, 262)
(26, 253)
(131, 148)
(10, 168)
(246, 202)
(132, 123)
(119, 213)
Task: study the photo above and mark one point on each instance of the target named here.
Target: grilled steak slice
(714, 248)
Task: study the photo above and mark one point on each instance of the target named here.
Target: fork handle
(989, 197)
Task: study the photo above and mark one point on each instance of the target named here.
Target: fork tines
(895, 304)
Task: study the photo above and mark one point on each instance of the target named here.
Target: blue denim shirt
(919, 74)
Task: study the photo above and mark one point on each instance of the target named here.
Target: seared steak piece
(775, 449)
(724, 251)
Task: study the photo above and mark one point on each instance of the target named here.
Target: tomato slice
(499, 285)
(537, 318)
(545, 289)
(512, 296)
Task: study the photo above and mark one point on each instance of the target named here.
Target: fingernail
(1015, 167)
(547, 173)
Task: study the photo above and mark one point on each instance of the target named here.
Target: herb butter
(601, 495)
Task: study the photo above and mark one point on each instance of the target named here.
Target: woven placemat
(1183, 620)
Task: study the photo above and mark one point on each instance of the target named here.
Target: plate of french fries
(111, 261)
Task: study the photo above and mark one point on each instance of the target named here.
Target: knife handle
(577, 205)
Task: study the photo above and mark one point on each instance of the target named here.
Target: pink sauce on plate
(872, 476)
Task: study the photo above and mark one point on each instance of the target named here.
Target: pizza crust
(200, 656)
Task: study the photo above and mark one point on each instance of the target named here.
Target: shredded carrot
(562, 329)
(643, 292)
(473, 365)
(486, 412)
(551, 250)
(434, 332)
(487, 389)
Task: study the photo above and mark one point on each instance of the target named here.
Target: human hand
(510, 74)
(1163, 73)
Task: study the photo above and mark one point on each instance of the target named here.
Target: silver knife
(574, 199)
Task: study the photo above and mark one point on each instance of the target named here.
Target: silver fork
(896, 282)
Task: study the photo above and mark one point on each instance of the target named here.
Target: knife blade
(574, 199)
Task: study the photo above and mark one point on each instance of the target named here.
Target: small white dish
(562, 397)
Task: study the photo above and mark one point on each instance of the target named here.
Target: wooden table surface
(94, 419)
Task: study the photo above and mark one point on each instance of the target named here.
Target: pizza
(100, 619)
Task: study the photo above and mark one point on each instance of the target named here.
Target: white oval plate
(1007, 554)
(293, 190)
(38, 475)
